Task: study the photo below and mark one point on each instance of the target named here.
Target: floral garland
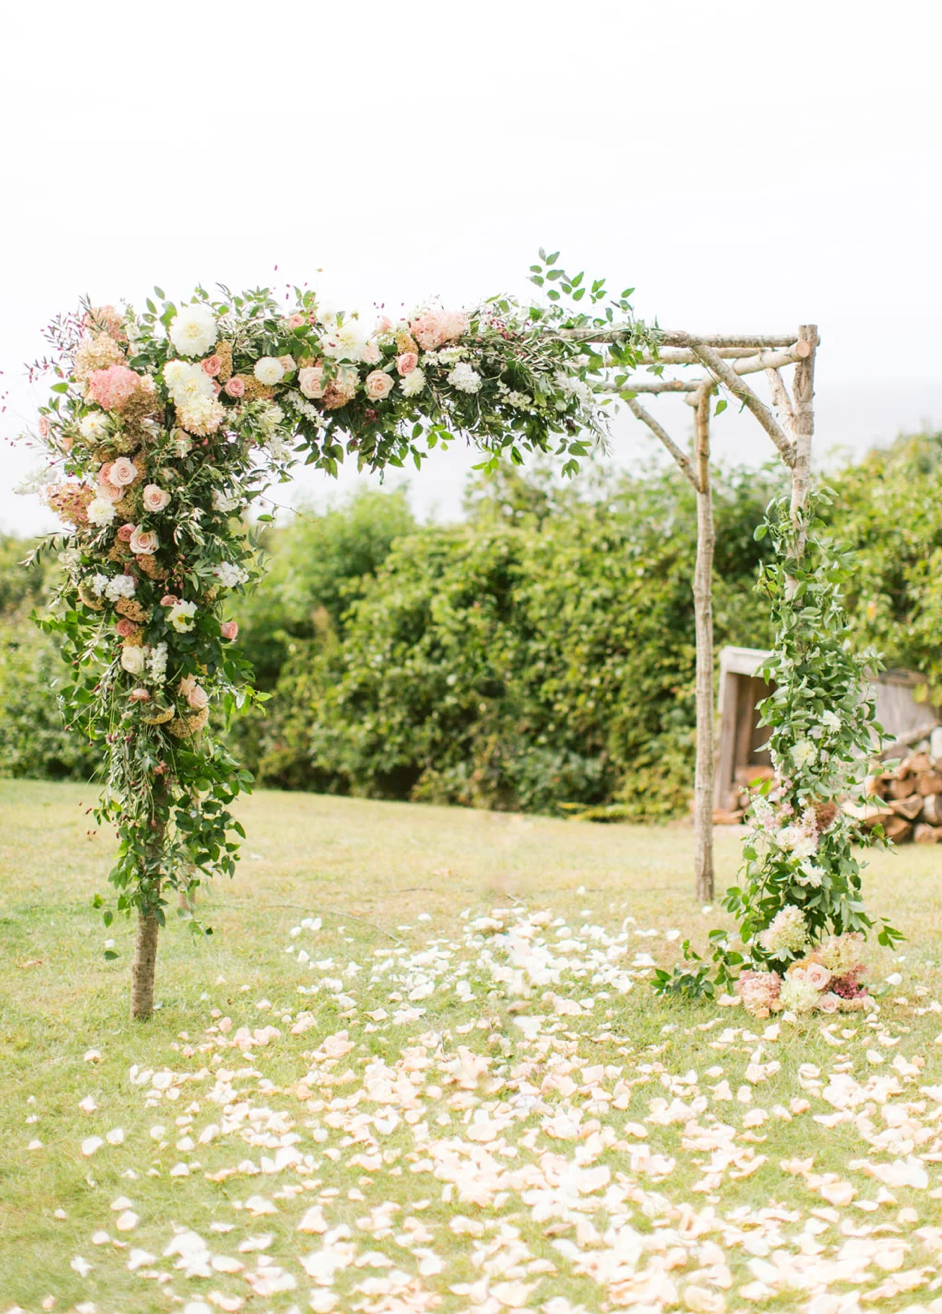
(798, 905)
(165, 426)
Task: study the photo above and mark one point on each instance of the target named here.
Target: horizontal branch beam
(684, 356)
(763, 360)
(679, 338)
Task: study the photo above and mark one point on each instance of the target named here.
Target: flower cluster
(825, 980)
(165, 426)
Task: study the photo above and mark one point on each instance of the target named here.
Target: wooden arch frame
(723, 360)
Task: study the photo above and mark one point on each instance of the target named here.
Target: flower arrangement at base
(165, 427)
(798, 905)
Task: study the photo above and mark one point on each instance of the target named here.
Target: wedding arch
(165, 426)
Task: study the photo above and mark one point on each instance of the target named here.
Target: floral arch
(165, 426)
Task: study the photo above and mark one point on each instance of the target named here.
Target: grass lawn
(357, 1096)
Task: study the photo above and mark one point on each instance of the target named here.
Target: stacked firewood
(906, 802)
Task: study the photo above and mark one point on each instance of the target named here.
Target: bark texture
(703, 611)
(144, 967)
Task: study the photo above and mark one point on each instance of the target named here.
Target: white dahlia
(100, 512)
(269, 370)
(413, 383)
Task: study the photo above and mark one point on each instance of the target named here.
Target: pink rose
(829, 1002)
(44, 428)
(122, 472)
(371, 353)
(311, 381)
(195, 695)
(155, 497)
(139, 696)
(235, 387)
(212, 365)
(378, 385)
(287, 363)
(295, 321)
(817, 974)
(407, 362)
(427, 331)
(106, 488)
(125, 627)
(144, 542)
(168, 600)
(229, 630)
(384, 324)
(125, 533)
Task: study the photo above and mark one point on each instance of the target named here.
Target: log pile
(906, 802)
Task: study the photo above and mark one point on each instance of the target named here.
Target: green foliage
(822, 730)
(538, 655)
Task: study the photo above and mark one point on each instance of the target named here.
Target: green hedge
(537, 655)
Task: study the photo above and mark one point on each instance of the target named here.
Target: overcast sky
(746, 166)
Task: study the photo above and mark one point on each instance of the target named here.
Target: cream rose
(132, 659)
(817, 975)
(155, 497)
(122, 472)
(144, 542)
(371, 353)
(378, 385)
(311, 381)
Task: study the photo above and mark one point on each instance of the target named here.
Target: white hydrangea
(157, 663)
(98, 584)
(831, 720)
(804, 753)
(449, 355)
(100, 512)
(786, 933)
(521, 400)
(464, 378)
(193, 331)
(94, 426)
(120, 586)
(413, 383)
(798, 996)
(226, 501)
(269, 370)
(230, 575)
(71, 559)
(180, 616)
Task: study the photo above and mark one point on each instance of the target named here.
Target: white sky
(746, 166)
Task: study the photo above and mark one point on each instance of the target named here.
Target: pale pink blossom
(155, 497)
(384, 324)
(195, 695)
(829, 1002)
(43, 427)
(436, 327)
(295, 321)
(168, 600)
(106, 489)
(235, 387)
(229, 630)
(112, 388)
(378, 385)
(122, 473)
(125, 533)
(139, 696)
(212, 365)
(407, 363)
(287, 363)
(144, 542)
(371, 353)
(125, 627)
